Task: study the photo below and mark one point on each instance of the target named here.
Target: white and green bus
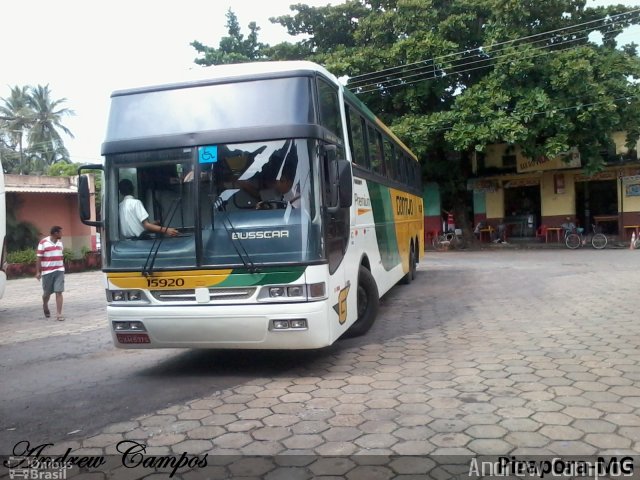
(254, 265)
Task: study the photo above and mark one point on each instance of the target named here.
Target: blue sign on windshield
(208, 154)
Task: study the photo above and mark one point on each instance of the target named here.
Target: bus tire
(411, 274)
(368, 304)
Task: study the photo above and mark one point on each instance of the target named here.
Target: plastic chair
(542, 232)
(486, 233)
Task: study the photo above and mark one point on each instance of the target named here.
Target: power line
(491, 62)
(434, 71)
(423, 77)
(487, 47)
(455, 69)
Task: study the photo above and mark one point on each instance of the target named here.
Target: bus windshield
(232, 204)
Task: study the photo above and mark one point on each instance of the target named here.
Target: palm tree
(17, 118)
(45, 142)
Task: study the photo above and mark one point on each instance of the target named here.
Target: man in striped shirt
(50, 268)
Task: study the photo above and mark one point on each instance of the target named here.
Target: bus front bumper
(240, 327)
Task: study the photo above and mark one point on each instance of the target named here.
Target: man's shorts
(53, 282)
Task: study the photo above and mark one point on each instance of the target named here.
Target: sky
(85, 50)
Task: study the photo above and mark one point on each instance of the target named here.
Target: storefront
(545, 192)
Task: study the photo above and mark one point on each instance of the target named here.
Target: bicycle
(574, 239)
(447, 240)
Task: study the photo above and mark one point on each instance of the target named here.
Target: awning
(38, 189)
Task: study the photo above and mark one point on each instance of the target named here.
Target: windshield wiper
(147, 269)
(236, 243)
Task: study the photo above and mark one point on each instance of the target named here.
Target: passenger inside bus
(279, 193)
(273, 186)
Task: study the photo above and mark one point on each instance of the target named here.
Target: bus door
(337, 192)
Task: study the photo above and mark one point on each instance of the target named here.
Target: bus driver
(134, 219)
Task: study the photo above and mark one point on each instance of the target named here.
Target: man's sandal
(46, 311)
(60, 318)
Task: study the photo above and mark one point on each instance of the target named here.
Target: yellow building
(531, 195)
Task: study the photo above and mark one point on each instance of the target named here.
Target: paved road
(522, 352)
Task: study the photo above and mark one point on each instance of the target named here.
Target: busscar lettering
(266, 234)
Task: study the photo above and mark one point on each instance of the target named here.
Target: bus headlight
(130, 326)
(293, 293)
(115, 296)
(124, 295)
(277, 292)
(135, 295)
(292, 324)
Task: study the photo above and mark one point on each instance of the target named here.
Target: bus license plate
(133, 338)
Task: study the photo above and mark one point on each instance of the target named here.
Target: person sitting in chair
(279, 191)
(134, 219)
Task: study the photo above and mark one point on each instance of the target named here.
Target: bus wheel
(411, 274)
(368, 303)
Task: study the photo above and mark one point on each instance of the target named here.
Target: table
(488, 231)
(598, 219)
(515, 225)
(553, 230)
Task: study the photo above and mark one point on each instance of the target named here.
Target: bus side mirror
(341, 188)
(84, 196)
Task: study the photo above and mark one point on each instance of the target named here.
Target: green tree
(62, 169)
(30, 116)
(234, 48)
(454, 77)
(16, 118)
(20, 235)
(46, 145)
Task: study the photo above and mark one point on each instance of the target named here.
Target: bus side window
(356, 138)
(329, 108)
(389, 159)
(375, 151)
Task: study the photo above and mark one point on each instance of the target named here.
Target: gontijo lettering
(404, 206)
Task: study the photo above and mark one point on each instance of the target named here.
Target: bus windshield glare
(244, 204)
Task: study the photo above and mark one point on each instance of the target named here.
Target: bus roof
(244, 71)
(233, 72)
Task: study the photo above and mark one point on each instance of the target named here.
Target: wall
(46, 201)
(553, 203)
(432, 209)
(61, 209)
(495, 204)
